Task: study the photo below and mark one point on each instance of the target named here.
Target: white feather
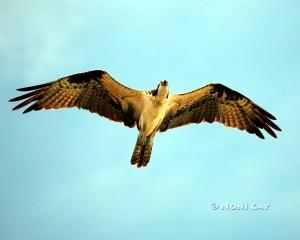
(154, 110)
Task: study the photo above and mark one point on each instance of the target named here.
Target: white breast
(152, 114)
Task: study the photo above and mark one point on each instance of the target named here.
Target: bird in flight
(150, 111)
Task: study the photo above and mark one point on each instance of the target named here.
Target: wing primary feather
(258, 121)
(256, 131)
(269, 115)
(27, 101)
(95, 91)
(267, 120)
(222, 104)
(32, 107)
(27, 95)
(34, 87)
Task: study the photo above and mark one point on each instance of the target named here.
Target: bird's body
(151, 111)
(154, 110)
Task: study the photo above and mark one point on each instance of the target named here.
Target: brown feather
(222, 104)
(95, 91)
(35, 87)
(27, 101)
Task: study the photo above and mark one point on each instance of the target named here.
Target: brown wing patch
(218, 103)
(95, 91)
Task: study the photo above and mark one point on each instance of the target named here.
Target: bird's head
(163, 89)
(163, 83)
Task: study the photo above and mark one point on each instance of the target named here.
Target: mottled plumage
(151, 111)
(95, 91)
(216, 102)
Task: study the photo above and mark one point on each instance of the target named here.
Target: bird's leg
(143, 139)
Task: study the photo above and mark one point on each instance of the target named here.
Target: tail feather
(142, 151)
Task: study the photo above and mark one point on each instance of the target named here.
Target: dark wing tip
(35, 106)
(261, 137)
(258, 133)
(34, 87)
(13, 99)
(15, 108)
(275, 127)
(29, 109)
(269, 115)
(266, 121)
(271, 133)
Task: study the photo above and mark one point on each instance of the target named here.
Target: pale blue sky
(66, 174)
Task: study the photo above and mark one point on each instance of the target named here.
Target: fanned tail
(142, 151)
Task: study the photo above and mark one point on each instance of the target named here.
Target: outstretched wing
(95, 91)
(216, 102)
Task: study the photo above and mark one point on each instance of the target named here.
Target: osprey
(151, 111)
